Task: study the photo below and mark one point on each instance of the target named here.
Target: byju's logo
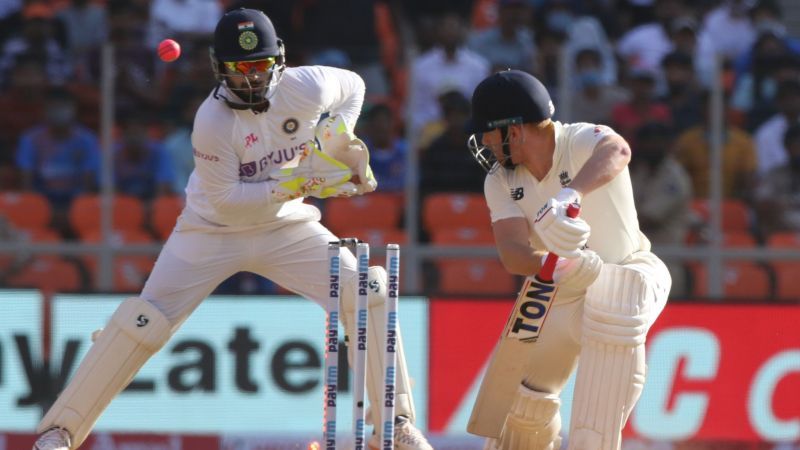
(517, 193)
(142, 320)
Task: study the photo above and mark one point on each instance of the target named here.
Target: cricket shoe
(53, 439)
(406, 437)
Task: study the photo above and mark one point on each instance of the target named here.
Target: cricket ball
(169, 50)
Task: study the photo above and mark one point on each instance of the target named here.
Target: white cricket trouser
(193, 263)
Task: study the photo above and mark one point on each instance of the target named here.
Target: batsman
(607, 287)
(260, 149)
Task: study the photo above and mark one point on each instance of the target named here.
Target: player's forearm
(609, 158)
(520, 259)
(241, 197)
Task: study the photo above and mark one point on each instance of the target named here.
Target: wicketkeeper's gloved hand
(577, 273)
(560, 234)
(339, 142)
(316, 175)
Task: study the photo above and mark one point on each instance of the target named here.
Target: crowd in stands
(644, 67)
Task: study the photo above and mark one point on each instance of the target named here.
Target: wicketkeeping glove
(560, 234)
(316, 175)
(339, 142)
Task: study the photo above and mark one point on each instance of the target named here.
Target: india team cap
(509, 97)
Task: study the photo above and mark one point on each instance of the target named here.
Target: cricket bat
(507, 365)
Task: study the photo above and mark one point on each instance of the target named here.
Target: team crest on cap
(248, 40)
(290, 125)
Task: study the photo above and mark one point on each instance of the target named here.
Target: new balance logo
(517, 193)
(564, 178)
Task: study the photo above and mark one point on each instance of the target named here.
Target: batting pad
(532, 423)
(376, 341)
(611, 370)
(136, 331)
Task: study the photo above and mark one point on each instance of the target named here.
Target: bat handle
(546, 272)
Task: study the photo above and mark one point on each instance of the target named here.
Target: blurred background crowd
(644, 67)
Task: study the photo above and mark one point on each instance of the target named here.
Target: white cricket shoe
(53, 439)
(406, 437)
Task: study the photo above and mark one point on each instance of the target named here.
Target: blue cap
(507, 98)
(245, 35)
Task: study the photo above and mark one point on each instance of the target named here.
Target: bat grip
(546, 272)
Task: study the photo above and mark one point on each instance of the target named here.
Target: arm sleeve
(91, 164)
(217, 167)
(498, 197)
(342, 93)
(25, 153)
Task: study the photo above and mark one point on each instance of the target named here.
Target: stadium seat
(463, 236)
(164, 215)
(474, 277)
(741, 279)
(735, 214)
(130, 271)
(740, 239)
(786, 239)
(787, 280)
(375, 210)
(377, 236)
(454, 210)
(26, 210)
(49, 274)
(84, 213)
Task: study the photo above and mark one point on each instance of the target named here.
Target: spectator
(59, 158)
(37, 38)
(447, 66)
(684, 35)
(182, 19)
(778, 191)
(738, 157)
(682, 91)
(642, 107)
(728, 31)
(587, 33)
(141, 167)
(322, 31)
(644, 46)
(387, 150)
(86, 27)
(178, 142)
(23, 102)
(769, 136)
(446, 166)
(593, 98)
(509, 44)
(662, 192)
(770, 62)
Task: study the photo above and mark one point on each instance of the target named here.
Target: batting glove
(560, 234)
(578, 273)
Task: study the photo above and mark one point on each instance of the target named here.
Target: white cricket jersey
(609, 210)
(234, 150)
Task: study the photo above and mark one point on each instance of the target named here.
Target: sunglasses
(246, 67)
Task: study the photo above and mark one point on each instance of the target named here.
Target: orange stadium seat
(49, 274)
(738, 239)
(454, 210)
(377, 237)
(474, 277)
(787, 279)
(375, 210)
(84, 213)
(741, 279)
(463, 236)
(785, 239)
(735, 213)
(131, 270)
(26, 209)
(164, 215)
